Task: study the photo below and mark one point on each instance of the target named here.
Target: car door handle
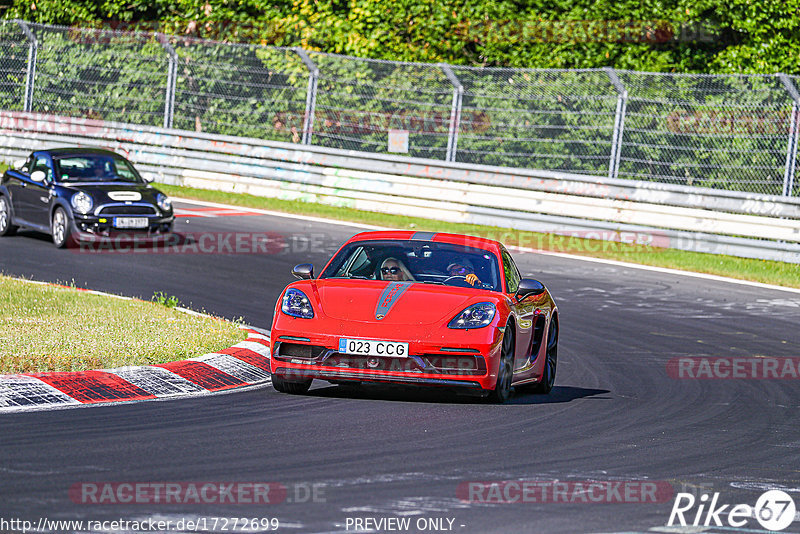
(23, 184)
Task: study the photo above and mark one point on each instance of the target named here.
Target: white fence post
(791, 150)
(619, 122)
(311, 95)
(455, 112)
(172, 75)
(33, 49)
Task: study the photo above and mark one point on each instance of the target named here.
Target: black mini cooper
(77, 194)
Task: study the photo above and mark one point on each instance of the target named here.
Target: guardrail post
(791, 150)
(455, 112)
(619, 122)
(33, 50)
(172, 75)
(311, 95)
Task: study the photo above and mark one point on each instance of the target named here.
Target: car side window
(512, 273)
(28, 165)
(42, 164)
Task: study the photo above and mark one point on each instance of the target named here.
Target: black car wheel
(6, 228)
(551, 360)
(60, 228)
(505, 372)
(287, 386)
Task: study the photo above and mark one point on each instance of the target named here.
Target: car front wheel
(505, 371)
(60, 228)
(551, 360)
(6, 228)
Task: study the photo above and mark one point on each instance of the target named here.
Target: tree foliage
(650, 35)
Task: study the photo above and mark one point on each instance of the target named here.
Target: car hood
(103, 192)
(398, 302)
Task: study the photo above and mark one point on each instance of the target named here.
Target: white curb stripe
(27, 392)
(234, 367)
(157, 381)
(258, 348)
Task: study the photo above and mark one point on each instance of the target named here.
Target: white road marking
(664, 270)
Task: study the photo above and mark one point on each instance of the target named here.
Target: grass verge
(769, 272)
(50, 328)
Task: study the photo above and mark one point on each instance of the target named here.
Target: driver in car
(463, 267)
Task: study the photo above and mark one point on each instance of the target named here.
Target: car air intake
(127, 210)
(298, 350)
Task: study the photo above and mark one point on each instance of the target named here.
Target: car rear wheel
(60, 228)
(551, 360)
(288, 386)
(505, 371)
(6, 228)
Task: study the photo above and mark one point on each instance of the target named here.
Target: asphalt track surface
(614, 415)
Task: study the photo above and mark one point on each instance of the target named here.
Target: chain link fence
(734, 132)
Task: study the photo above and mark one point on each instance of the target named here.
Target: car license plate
(371, 347)
(130, 222)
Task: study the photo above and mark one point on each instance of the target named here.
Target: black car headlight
(475, 316)
(296, 304)
(164, 203)
(81, 202)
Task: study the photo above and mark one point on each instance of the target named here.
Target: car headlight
(164, 202)
(475, 316)
(296, 304)
(81, 202)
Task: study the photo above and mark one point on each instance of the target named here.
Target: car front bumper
(92, 228)
(436, 356)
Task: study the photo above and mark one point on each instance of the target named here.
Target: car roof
(76, 151)
(437, 237)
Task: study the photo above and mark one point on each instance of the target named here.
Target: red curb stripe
(93, 386)
(246, 355)
(203, 375)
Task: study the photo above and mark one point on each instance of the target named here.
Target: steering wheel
(459, 280)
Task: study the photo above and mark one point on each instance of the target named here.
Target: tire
(286, 386)
(60, 228)
(502, 388)
(551, 360)
(6, 228)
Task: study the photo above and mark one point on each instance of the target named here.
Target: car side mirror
(148, 178)
(19, 164)
(304, 271)
(528, 287)
(38, 176)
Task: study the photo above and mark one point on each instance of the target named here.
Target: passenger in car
(393, 270)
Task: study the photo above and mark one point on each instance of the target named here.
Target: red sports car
(416, 308)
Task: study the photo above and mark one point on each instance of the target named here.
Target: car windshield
(95, 168)
(416, 261)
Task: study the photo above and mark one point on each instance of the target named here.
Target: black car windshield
(416, 261)
(95, 168)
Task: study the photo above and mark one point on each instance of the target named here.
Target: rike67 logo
(774, 510)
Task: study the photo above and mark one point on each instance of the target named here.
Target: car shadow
(24, 232)
(559, 394)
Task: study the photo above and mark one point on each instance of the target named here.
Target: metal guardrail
(727, 132)
(688, 218)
